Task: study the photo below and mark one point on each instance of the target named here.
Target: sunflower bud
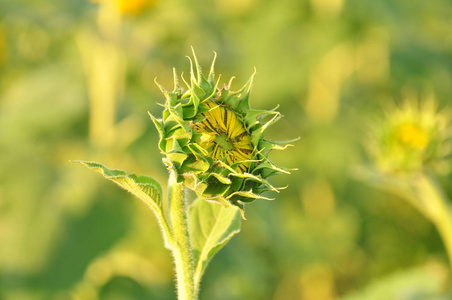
(214, 142)
(412, 138)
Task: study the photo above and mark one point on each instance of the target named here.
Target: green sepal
(190, 110)
(171, 97)
(199, 80)
(161, 131)
(195, 165)
(241, 97)
(194, 184)
(236, 183)
(254, 117)
(222, 179)
(180, 135)
(174, 152)
(197, 150)
(194, 86)
(177, 115)
(266, 145)
(247, 196)
(218, 199)
(215, 186)
(257, 133)
(173, 146)
(248, 176)
(267, 169)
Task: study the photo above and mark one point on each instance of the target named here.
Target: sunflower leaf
(143, 187)
(211, 227)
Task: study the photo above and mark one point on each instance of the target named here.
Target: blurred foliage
(77, 80)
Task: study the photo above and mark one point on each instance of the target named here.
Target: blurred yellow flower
(412, 136)
(129, 7)
(132, 7)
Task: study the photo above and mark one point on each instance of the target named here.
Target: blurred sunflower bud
(214, 142)
(409, 146)
(412, 138)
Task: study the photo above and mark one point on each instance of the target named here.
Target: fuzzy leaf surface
(211, 227)
(143, 187)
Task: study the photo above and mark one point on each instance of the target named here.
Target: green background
(331, 65)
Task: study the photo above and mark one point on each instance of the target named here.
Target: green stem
(181, 247)
(438, 209)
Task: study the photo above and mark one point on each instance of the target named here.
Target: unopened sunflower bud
(214, 142)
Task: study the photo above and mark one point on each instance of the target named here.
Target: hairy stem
(181, 248)
(438, 209)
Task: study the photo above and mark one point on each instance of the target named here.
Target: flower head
(223, 135)
(214, 142)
